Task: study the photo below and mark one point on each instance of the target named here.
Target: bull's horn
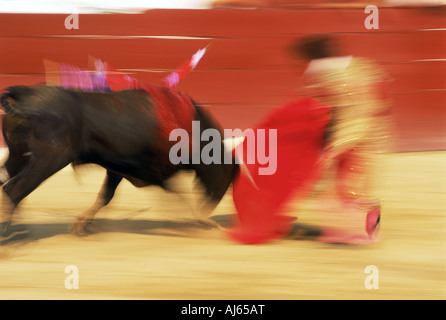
(232, 143)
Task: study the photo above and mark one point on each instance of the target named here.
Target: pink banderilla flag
(173, 78)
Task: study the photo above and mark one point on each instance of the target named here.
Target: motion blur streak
(147, 243)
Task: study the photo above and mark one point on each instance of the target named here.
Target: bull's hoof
(81, 227)
(209, 224)
(9, 233)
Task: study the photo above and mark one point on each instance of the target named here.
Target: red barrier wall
(247, 70)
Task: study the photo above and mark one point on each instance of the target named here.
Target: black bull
(47, 128)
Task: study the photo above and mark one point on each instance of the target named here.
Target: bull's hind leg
(104, 197)
(31, 175)
(14, 161)
(17, 158)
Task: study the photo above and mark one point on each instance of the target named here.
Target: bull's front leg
(104, 197)
(25, 179)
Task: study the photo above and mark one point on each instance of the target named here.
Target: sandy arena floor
(151, 247)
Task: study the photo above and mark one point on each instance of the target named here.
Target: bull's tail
(12, 95)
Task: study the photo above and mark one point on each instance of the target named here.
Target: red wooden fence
(248, 69)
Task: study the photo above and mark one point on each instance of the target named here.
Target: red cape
(260, 199)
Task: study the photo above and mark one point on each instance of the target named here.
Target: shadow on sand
(182, 228)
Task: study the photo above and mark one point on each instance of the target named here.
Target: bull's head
(215, 177)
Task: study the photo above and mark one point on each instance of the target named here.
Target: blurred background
(149, 251)
(248, 69)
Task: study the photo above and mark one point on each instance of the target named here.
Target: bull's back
(122, 122)
(48, 113)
